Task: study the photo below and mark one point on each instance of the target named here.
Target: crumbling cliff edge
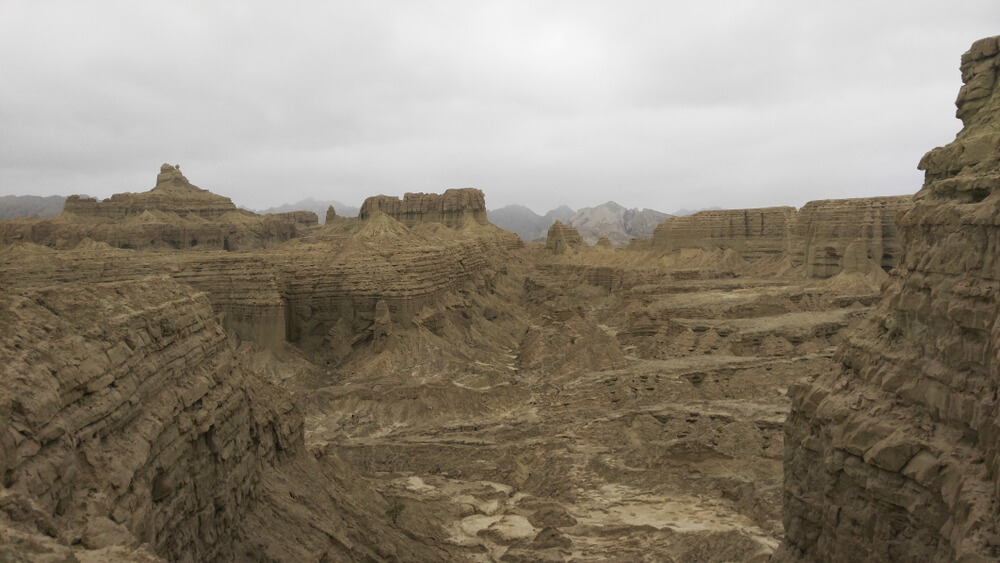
(894, 457)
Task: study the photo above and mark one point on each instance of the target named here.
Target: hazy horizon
(719, 104)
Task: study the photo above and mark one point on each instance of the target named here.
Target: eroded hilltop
(174, 214)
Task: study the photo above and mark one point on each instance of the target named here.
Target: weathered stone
(925, 367)
(561, 238)
(452, 208)
(174, 214)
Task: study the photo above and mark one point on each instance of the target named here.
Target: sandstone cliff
(562, 238)
(452, 208)
(754, 233)
(824, 229)
(174, 214)
(894, 456)
(823, 239)
(128, 420)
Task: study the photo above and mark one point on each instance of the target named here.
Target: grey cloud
(726, 103)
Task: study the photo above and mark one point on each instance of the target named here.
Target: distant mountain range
(617, 222)
(528, 225)
(316, 206)
(17, 206)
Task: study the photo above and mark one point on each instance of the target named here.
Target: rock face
(128, 419)
(824, 229)
(894, 456)
(174, 214)
(172, 193)
(452, 208)
(619, 224)
(753, 233)
(815, 238)
(562, 238)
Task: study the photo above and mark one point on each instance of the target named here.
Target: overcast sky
(654, 104)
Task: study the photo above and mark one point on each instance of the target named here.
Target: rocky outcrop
(616, 222)
(175, 214)
(753, 233)
(172, 194)
(562, 238)
(332, 278)
(816, 239)
(129, 420)
(894, 456)
(452, 208)
(824, 229)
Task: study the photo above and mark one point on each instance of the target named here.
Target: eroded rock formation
(452, 208)
(814, 239)
(894, 456)
(174, 214)
(128, 419)
(754, 233)
(824, 229)
(561, 238)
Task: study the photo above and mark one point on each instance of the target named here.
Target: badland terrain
(185, 380)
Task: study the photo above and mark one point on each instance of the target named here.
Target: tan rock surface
(813, 239)
(452, 208)
(753, 233)
(562, 238)
(129, 419)
(893, 456)
(174, 214)
(824, 229)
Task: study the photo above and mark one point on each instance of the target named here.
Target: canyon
(184, 380)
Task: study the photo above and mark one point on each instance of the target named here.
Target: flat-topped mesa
(452, 208)
(172, 193)
(815, 238)
(174, 214)
(561, 238)
(824, 229)
(895, 456)
(753, 233)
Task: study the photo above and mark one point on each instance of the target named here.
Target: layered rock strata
(299, 294)
(172, 193)
(129, 420)
(895, 455)
(562, 238)
(823, 239)
(824, 229)
(175, 214)
(452, 208)
(754, 233)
